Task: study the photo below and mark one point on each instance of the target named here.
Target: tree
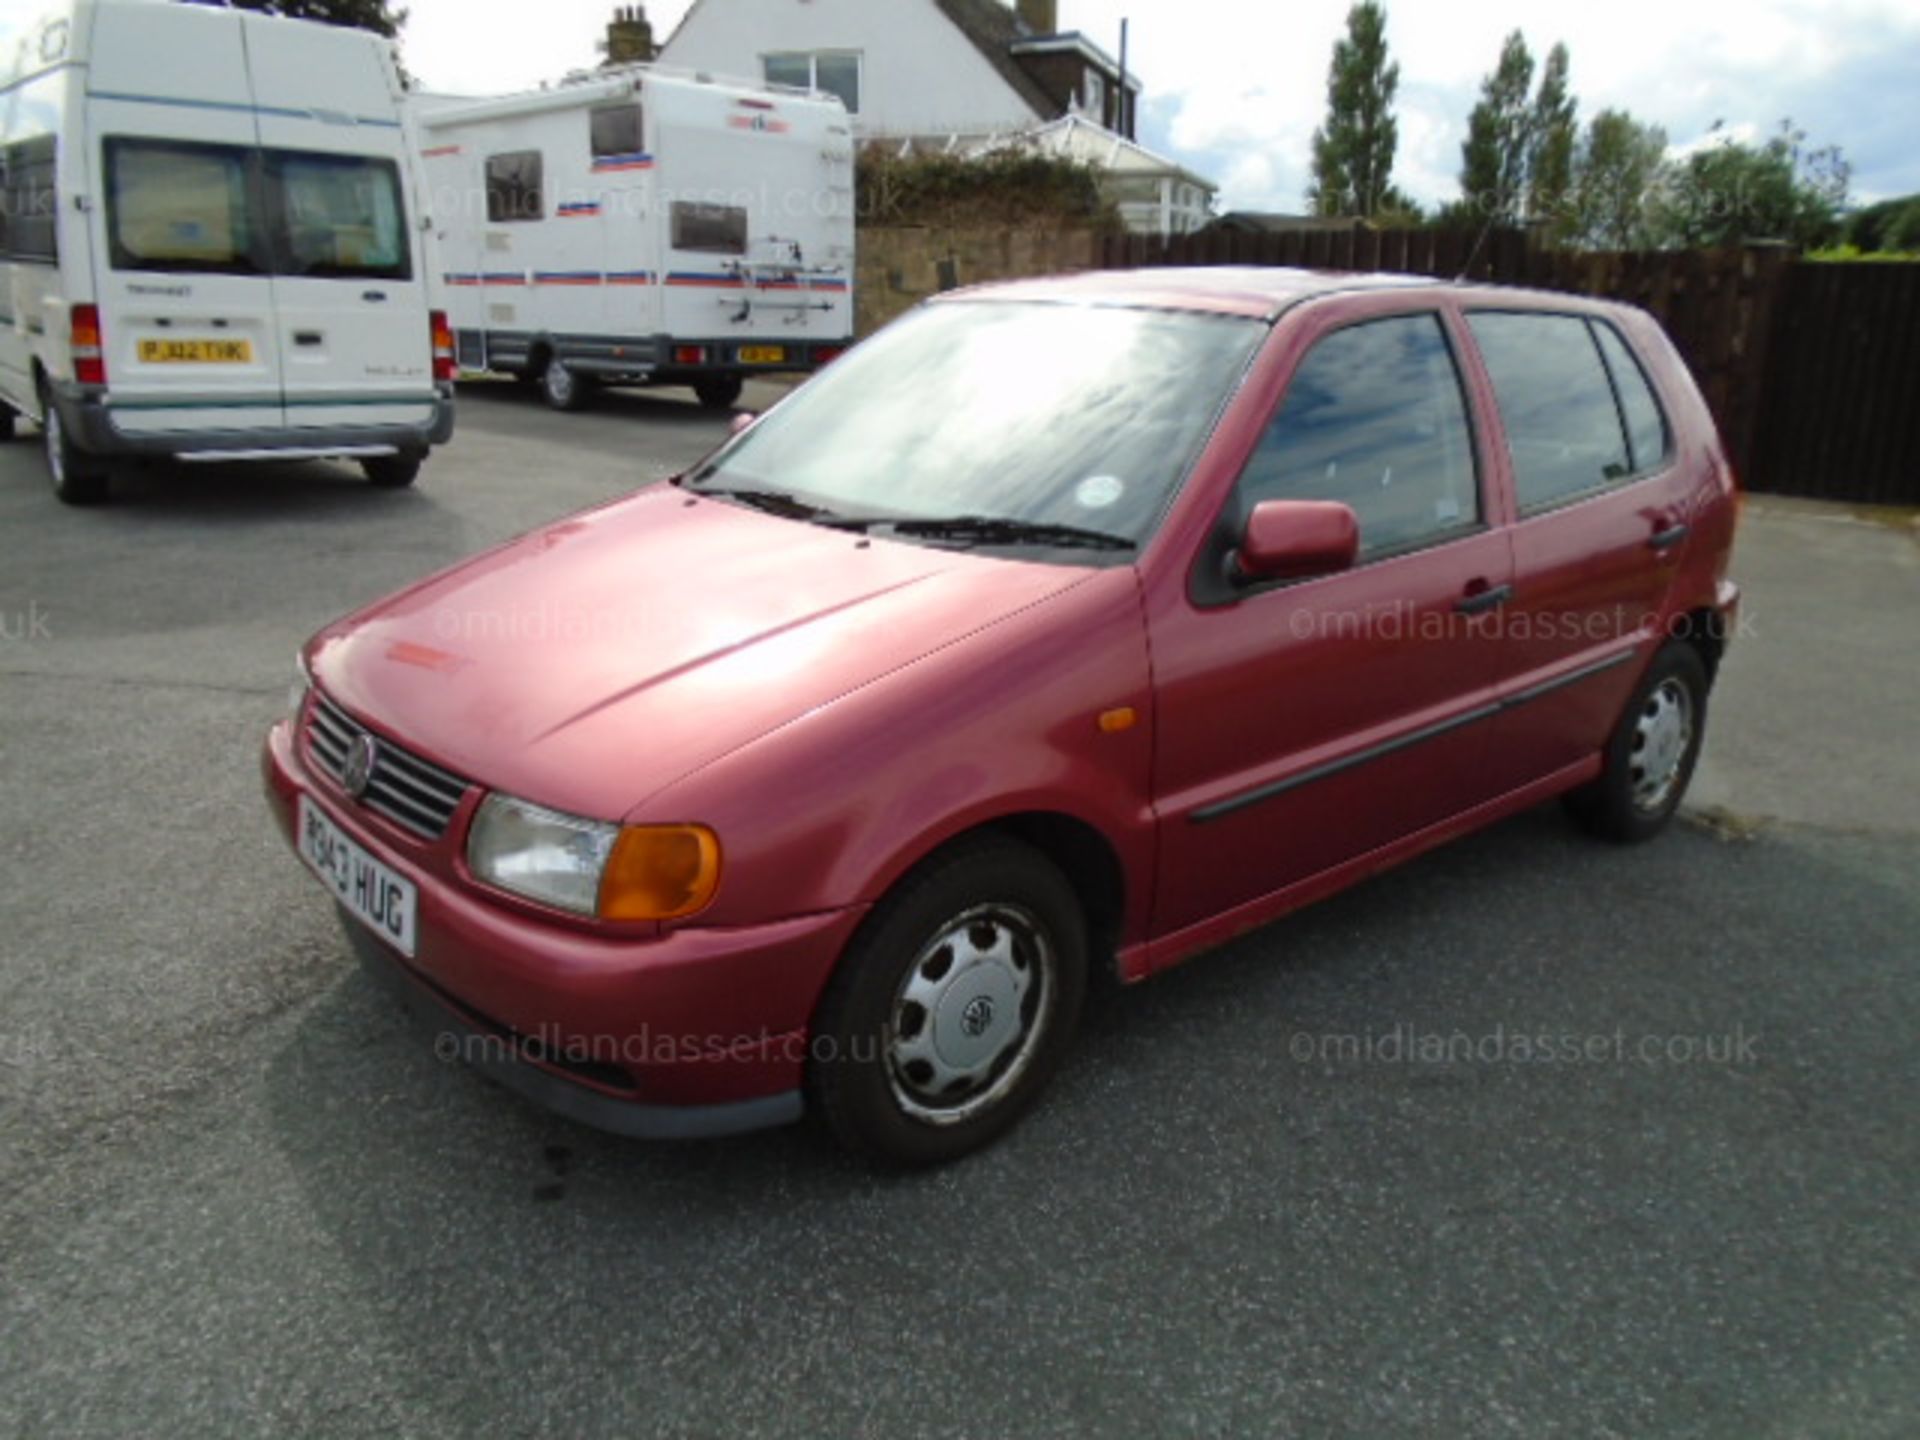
(1617, 164)
(1729, 192)
(1493, 158)
(1550, 146)
(1353, 151)
(376, 15)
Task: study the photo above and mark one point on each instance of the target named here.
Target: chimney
(1041, 17)
(629, 37)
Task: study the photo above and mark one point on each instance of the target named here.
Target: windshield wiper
(790, 507)
(1000, 530)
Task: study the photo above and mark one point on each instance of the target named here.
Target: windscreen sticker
(1097, 492)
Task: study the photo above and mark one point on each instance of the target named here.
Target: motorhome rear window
(342, 216)
(173, 205)
(616, 131)
(714, 229)
(514, 187)
(28, 206)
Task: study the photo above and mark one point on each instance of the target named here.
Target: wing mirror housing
(1297, 540)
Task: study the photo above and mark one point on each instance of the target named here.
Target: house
(965, 76)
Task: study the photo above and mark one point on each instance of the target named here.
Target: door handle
(1481, 601)
(307, 337)
(1671, 536)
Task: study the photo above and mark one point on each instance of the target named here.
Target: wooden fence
(1812, 370)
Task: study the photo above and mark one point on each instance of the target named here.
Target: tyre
(392, 472)
(564, 389)
(719, 392)
(78, 478)
(952, 1007)
(7, 422)
(1652, 752)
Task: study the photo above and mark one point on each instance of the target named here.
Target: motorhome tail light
(689, 354)
(827, 354)
(445, 365)
(89, 353)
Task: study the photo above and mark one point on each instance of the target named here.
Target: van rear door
(185, 296)
(352, 287)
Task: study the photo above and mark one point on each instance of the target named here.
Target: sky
(1234, 89)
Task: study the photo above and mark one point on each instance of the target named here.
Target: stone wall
(901, 266)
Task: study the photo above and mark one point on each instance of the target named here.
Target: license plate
(196, 352)
(762, 354)
(381, 900)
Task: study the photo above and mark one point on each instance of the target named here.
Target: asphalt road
(1347, 1177)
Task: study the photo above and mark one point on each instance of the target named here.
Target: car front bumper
(693, 1032)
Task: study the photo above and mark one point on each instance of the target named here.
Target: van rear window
(714, 229)
(342, 215)
(178, 206)
(182, 206)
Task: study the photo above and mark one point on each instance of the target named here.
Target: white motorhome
(643, 226)
(211, 245)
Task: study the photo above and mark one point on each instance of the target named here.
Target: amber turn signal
(660, 872)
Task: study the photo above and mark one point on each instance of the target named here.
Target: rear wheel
(7, 421)
(564, 389)
(719, 392)
(952, 1008)
(1651, 755)
(78, 478)
(392, 472)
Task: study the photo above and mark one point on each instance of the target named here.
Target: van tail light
(89, 351)
(445, 365)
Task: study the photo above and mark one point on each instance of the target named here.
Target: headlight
(298, 691)
(590, 867)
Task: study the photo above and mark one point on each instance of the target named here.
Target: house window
(514, 187)
(616, 131)
(1096, 95)
(837, 72)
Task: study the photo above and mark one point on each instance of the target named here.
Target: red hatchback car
(1072, 623)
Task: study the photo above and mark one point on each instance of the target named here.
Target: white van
(643, 226)
(212, 245)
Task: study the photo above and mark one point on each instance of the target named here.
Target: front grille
(406, 789)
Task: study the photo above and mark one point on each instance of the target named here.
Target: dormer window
(1094, 92)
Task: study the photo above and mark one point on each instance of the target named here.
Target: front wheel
(564, 389)
(77, 478)
(1651, 755)
(719, 392)
(952, 1008)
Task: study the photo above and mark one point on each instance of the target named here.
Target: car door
(1601, 525)
(1304, 724)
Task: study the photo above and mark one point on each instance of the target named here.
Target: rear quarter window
(1557, 406)
(29, 205)
(1648, 435)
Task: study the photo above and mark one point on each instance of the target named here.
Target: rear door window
(1376, 419)
(341, 216)
(714, 229)
(1639, 408)
(1557, 405)
(173, 205)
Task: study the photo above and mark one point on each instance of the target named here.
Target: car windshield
(997, 423)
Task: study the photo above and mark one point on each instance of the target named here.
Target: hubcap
(559, 382)
(1661, 738)
(968, 1016)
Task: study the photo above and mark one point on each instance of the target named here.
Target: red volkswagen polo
(1066, 624)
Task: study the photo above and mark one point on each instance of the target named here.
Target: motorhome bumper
(89, 420)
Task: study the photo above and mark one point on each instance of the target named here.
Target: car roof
(1257, 291)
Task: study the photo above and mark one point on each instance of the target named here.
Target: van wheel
(78, 478)
(719, 392)
(564, 388)
(392, 472)
(1651, 755)
(7, 422)
(952, 1007)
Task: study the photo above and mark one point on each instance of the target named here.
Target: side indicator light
(1112, 722)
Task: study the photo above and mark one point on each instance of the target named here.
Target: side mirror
(1297, 539)
(742, 421)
